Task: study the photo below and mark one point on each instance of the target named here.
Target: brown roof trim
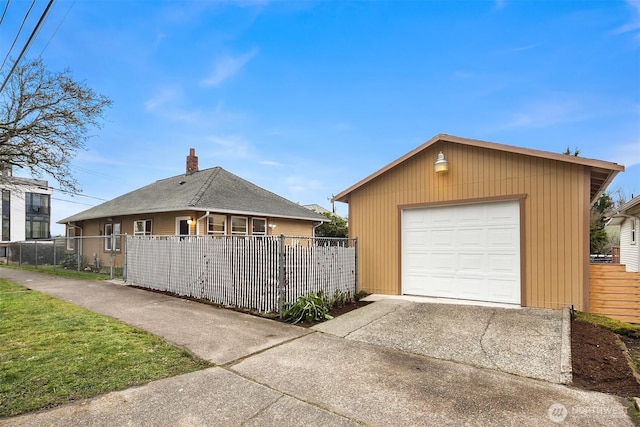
(611, 168)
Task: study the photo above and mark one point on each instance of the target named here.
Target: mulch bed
(335, 312)
(600, 361)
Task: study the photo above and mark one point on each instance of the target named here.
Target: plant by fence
(259, 274)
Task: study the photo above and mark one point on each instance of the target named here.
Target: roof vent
(192, 162)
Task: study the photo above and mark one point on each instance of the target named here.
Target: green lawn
(60, 271)
(53, 352)
(620, 328)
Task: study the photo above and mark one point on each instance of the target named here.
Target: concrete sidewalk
(277, 374)
(212, 333)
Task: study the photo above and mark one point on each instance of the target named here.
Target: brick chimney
(192, 162)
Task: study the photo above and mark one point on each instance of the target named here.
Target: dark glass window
(6, 215)
(37, 217)
(37, 204)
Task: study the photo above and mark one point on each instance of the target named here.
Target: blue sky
(307, 98)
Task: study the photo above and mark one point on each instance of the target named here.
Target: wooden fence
(250, 273)
(614, 292)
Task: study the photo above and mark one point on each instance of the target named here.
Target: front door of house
(182, 226)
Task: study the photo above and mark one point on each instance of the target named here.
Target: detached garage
(474, 220)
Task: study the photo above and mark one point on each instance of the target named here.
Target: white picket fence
(242, 272)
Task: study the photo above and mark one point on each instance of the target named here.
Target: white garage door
(464, 251)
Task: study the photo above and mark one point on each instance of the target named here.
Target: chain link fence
(95, 254)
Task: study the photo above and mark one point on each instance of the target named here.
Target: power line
(64, 18)
(26, 46)
(5, 11)
(73, 193)
(19, 32)
(71, 201)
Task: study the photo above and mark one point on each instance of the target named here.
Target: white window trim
(246, 230)
(634, 230)
(111, 239)
(144, 232)
(71, 234)
(182, 218)
(224, 223)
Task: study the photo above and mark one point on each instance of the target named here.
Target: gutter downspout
(206, 215)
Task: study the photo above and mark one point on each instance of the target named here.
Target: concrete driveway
(534, 343)
(277, 374)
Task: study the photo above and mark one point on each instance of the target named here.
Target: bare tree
(44, 121)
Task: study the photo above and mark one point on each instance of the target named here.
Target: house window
(238, 226)
(71, 234)
(634, 231)
(6, 215)
(37, 218)
(36, 227)
(142, 227)
(112, 237)
(217, 225)
(259, 226)
(37, 204)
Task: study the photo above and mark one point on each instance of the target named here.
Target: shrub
(361, 294)
(340, 299)
(308, 308)
(70, 262)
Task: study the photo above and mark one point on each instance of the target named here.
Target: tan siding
(554, 217)
(164, 224)
(291, 227)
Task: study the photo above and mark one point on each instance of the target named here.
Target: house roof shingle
(214, 189)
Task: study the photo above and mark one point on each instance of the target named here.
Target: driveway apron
(530, 342)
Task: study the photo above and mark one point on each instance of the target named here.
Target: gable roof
(317, 208)
(625, 210)
(214, 189)
(602, 173)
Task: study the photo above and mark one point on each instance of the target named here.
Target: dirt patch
(600, 360)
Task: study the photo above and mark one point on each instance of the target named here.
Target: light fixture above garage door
(441, 164)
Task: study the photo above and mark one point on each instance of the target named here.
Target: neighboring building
(627, 217)
(25, 209)
(317, 208)
(211, 202)
(467, 219)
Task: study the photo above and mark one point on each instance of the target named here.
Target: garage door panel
(505, 290)
(502, 213)
(416, 241)
(467, 215)
(415, 263)
(471, 287)
(468, 251)
(442, 238)
(443, 285)
(441, 261)
(471, 237)
(503, 264)
(468, 263)
(439, 218)
(502, 238)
